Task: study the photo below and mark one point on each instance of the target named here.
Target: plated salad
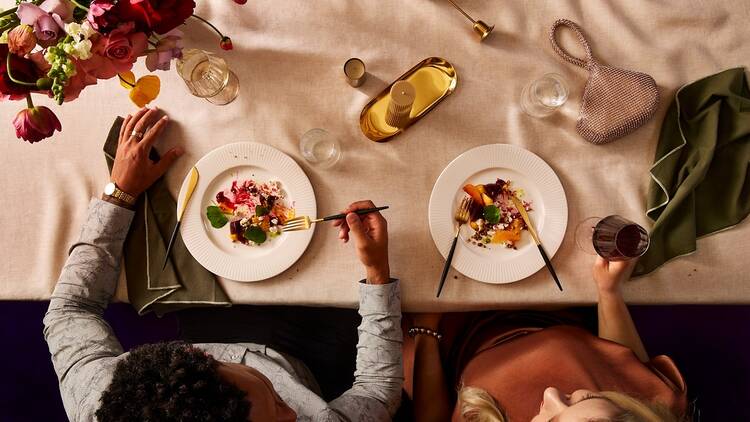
(494, 218)
(255, 212)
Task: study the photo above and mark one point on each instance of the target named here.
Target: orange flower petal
(145, 90)
(127, 79)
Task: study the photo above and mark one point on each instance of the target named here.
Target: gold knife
(192, 182)
(519, 206)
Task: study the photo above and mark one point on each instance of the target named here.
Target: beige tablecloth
(289, 55)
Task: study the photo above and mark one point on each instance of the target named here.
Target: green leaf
(491, 214)
(261, 210)
(255, 234)
(216, 217)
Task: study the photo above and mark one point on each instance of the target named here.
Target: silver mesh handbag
(615, 101)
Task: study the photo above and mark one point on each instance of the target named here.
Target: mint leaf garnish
(491, 214)
(255, 234)
(216, 217)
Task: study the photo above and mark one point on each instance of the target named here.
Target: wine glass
(544, 96)
(614, 238)
(208, 76)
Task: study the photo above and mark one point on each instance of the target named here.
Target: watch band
(115, 192)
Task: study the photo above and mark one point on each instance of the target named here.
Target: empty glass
(320, 148)
(614, 238)
(208, 76)
(544, 96)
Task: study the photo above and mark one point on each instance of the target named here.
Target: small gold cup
(482, 29)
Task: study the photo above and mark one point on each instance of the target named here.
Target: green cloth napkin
(701, 174)
(184, 283)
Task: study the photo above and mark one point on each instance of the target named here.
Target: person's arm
(378, 379)
(430, 391)
(615, 323)
(81, 343)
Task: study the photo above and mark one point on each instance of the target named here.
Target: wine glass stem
(462, 11)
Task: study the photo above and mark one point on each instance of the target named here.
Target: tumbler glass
(544, 96)
(320, 148)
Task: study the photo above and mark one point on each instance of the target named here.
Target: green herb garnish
(255, 234)
(216, 217)
(260, 210)
(491, 214)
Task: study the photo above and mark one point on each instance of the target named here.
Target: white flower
(80, 32)
(80, 50)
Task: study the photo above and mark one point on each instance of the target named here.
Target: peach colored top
(515, 367)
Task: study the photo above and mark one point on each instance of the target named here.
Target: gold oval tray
(433, 78)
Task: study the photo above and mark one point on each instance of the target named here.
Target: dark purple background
(709, 344)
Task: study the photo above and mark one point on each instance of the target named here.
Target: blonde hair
(477, 405)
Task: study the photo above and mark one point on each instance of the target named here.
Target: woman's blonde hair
(477, 405)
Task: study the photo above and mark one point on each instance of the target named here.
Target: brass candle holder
(481, 28)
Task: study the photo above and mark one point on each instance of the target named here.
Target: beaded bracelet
(414, 331)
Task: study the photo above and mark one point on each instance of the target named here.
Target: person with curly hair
(208, 381)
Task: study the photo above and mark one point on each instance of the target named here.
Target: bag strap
(579, 33)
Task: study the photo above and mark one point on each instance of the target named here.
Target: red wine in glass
(618, 239)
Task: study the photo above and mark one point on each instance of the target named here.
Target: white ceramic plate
(526, 171)
(211, 247)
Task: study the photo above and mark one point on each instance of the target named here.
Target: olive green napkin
(184, 282)
(701, 175)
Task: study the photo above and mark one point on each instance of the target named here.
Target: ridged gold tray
(434, 79)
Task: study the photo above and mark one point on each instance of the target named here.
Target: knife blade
(192, 182)
(519, 206)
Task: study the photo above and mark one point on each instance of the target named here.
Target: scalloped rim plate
(211, 247)
(526, 171)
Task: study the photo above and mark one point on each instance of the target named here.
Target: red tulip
(226, 43)
(36, 123)
(240, 1)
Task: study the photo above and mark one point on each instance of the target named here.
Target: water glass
(544, 96)
(614, 238)
(320, 148)
(208, 76)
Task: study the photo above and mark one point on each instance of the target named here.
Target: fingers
(146, 120)
(359, 205)
(357, 228)
(133, 120)
(167, 160)
(153, 133)
(122, 128)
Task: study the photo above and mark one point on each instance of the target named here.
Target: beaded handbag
(615, 101)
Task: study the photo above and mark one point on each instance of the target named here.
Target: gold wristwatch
(112, 190)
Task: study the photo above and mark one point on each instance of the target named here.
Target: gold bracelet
(415, 331)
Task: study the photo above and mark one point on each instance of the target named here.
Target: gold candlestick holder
(481, 28)
(433, 79)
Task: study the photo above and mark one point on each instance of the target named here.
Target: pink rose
(36, 123)
(48, 19)
(117, 51)
(21, 40)
(169, 47)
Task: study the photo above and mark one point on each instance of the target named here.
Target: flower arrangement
(59, 47)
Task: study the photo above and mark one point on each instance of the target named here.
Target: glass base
(228, 93)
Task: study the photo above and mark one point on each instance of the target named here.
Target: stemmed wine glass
(208, 76)
(614, 238)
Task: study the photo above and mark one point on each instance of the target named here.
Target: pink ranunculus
(36, 123)
(21, 40)
(98, 16)
(117, 51)
(48, 19)
(168, 48)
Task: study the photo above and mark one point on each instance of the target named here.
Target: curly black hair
(171, 381)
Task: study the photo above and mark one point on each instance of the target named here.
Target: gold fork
(304, 222)
(461, 217)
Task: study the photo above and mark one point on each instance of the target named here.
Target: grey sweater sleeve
(378, 379)
(82, 344)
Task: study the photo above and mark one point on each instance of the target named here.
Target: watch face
(109, 189)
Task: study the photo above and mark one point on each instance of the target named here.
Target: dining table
(289, 59)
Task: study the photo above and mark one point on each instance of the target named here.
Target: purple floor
(709, 344)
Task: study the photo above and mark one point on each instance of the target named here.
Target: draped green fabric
(184, 282)
(701, 173)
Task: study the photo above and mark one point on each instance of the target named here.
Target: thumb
(168, 159)
(356, 227)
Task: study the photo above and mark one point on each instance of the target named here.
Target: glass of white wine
(208, 76)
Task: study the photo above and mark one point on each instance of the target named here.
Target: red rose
(160, 16)
(22, 70)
